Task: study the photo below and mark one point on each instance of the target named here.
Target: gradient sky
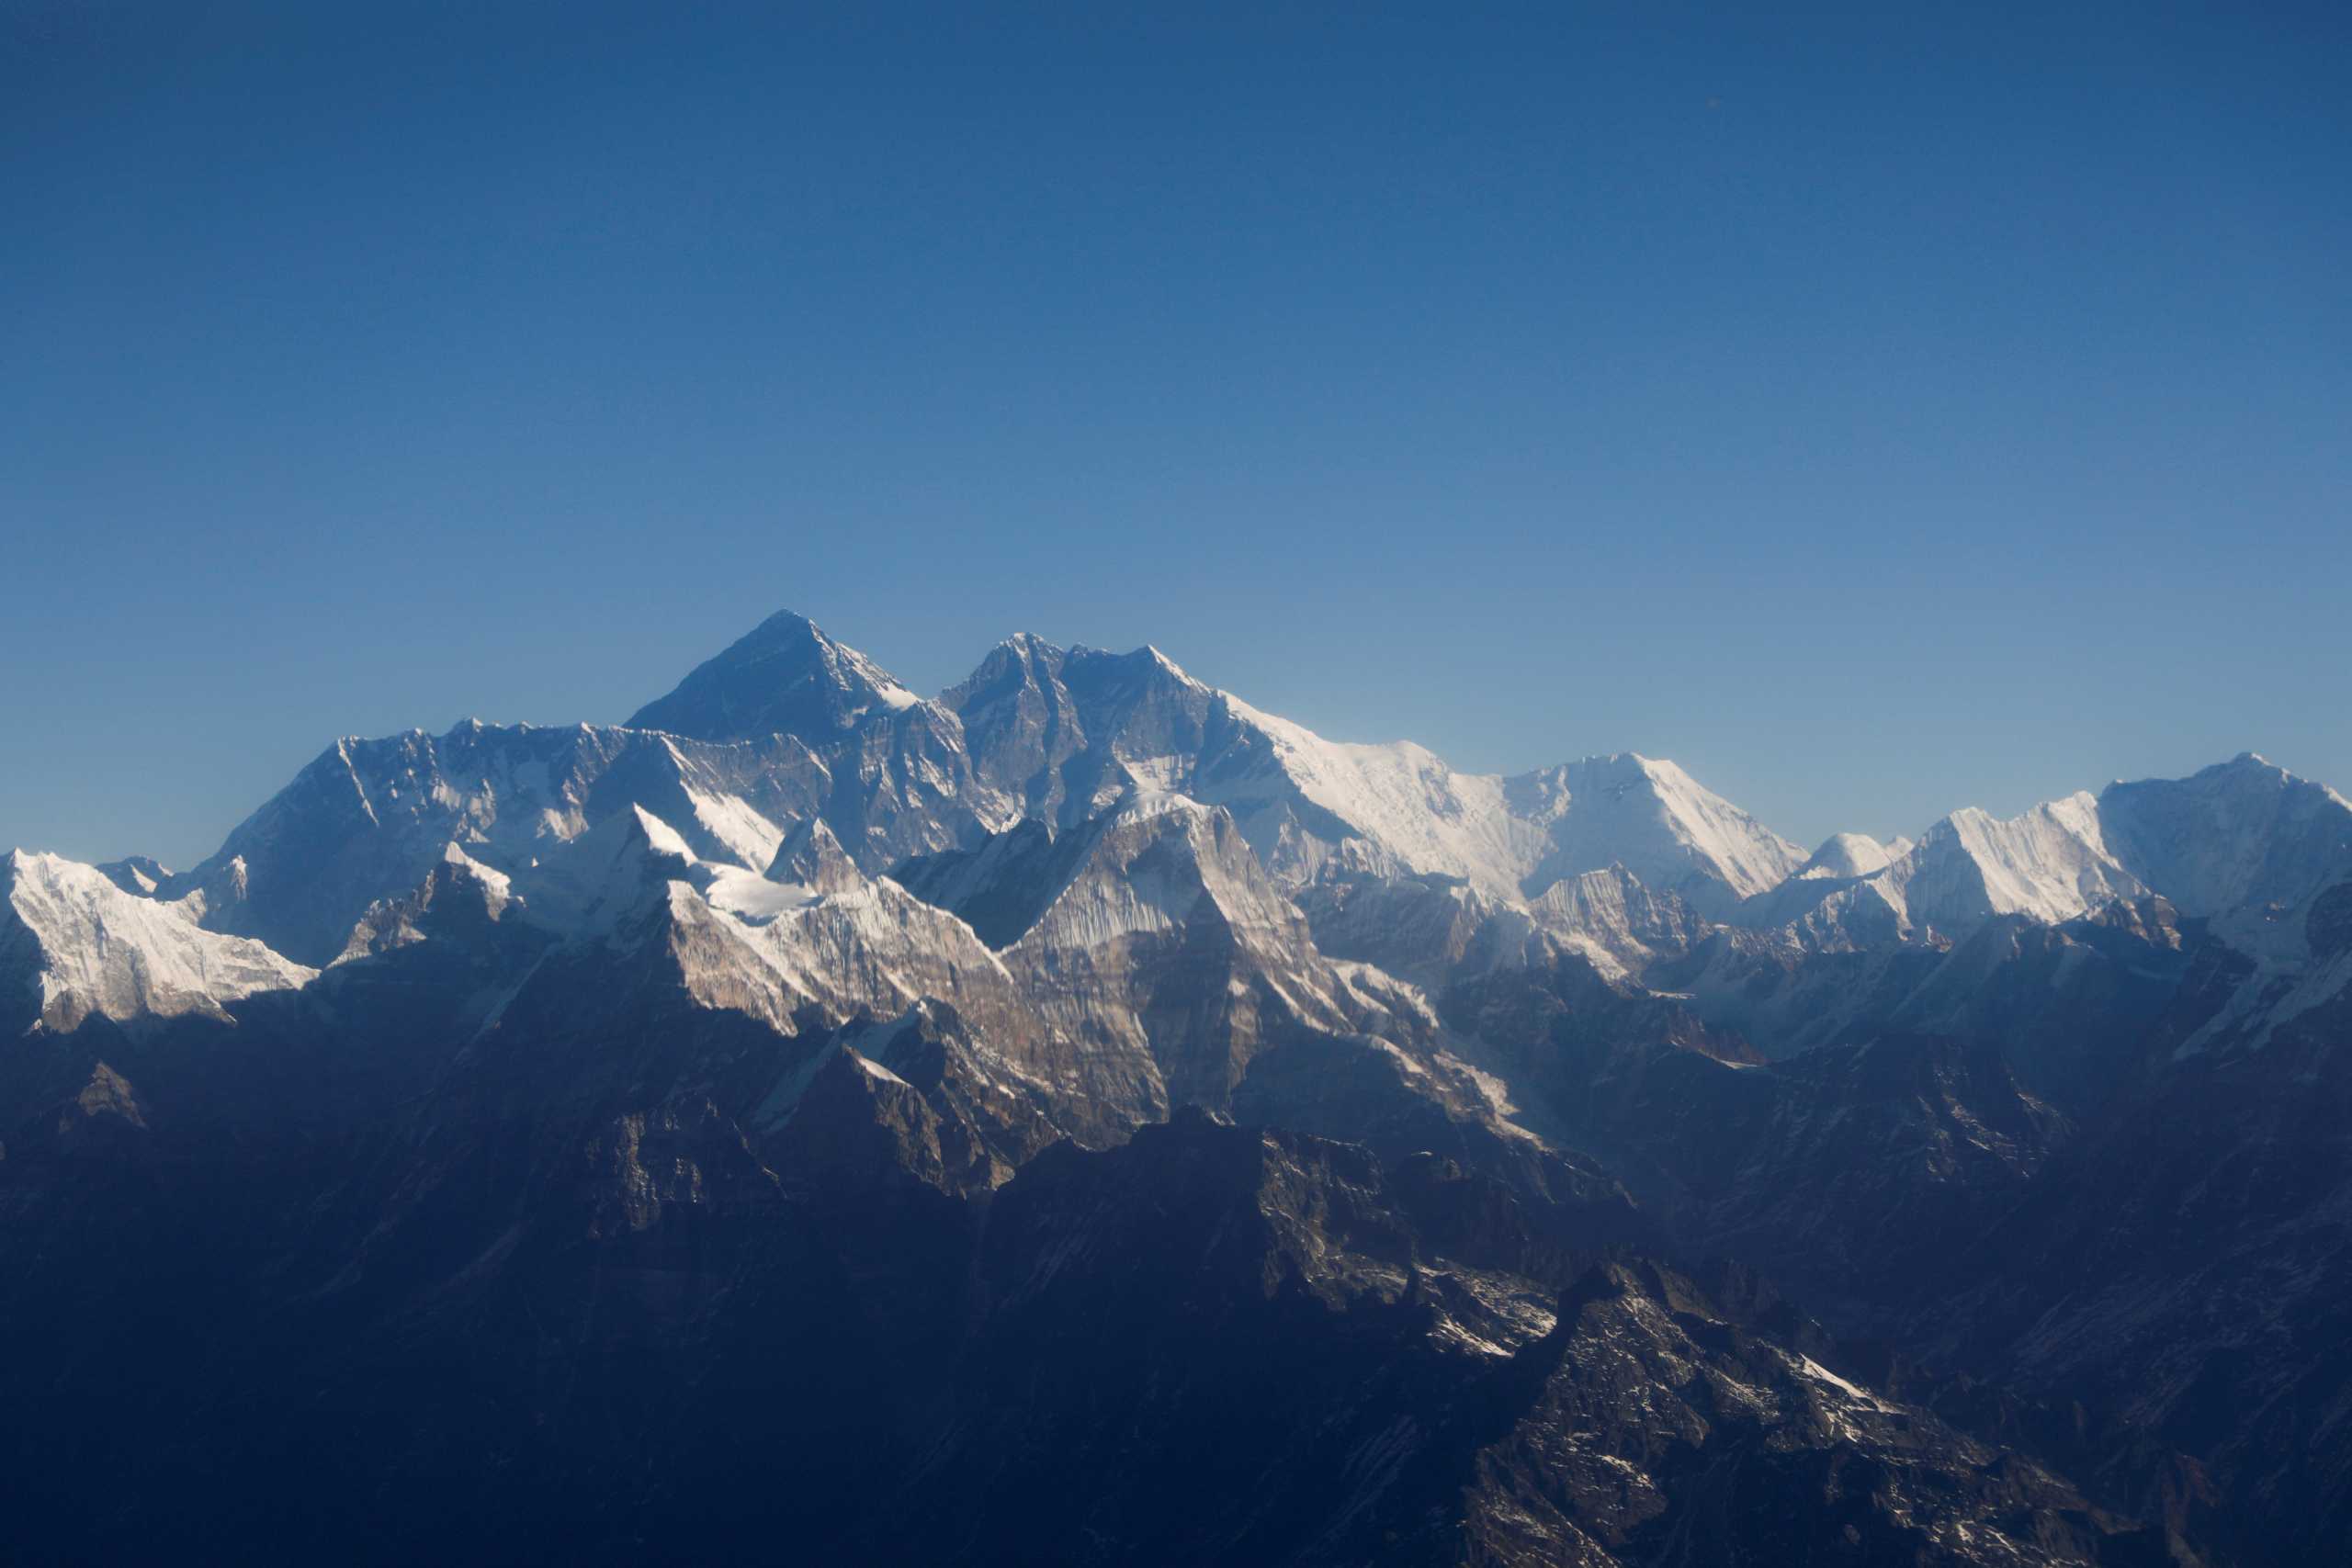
(1878, 409)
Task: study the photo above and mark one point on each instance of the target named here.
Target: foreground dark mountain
(1084, 1119)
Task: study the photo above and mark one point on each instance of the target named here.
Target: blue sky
(1877, 408)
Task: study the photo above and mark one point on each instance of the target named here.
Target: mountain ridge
(935, 1023)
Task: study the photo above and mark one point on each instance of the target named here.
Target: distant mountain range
(1081, 1118)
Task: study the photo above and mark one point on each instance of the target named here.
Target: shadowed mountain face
(1085, 1119)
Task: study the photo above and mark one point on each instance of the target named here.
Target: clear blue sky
(1878, 409)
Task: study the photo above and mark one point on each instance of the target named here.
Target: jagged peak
(1021, 661)
(1039, 661)
(812, 856)
(459, 894)
(1029, 645)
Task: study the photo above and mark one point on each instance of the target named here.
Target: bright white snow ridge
(775, 794)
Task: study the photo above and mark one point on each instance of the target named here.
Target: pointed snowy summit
(1844, 856)
(784, 677)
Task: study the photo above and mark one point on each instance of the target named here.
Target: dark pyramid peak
(812, 856)
(459, 899)
(862, 1128)
(784, 677)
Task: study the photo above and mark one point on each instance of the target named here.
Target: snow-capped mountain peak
(2051, 863)
(2244, 842)
(1167, 666)
(1847, 855)
(784, 677)
(1653, 818)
